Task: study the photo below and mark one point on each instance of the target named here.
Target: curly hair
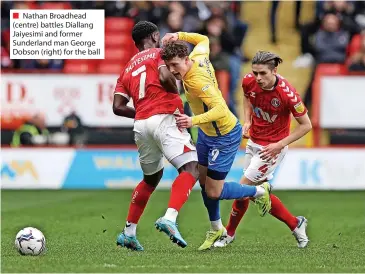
(267, 58)
(174, 49)
(142, 30)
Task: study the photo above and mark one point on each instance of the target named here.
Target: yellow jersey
(211, 112)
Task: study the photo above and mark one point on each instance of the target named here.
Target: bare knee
(153, 179)
(192, 168)
(213, 193)
(213, 188)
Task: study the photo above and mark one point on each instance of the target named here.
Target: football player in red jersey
(147, 81)
(269, 101)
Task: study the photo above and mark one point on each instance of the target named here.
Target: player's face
(265, 77)
(178, 67)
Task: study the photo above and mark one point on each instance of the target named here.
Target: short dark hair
(267, 58)
(142, 30)
(174, 49)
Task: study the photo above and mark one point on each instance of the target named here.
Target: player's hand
(169, 37)
(245, 130)
(271, 151)
(183, 121)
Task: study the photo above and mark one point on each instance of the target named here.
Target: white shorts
(256, 169)
(158, 136)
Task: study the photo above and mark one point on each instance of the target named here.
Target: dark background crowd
(336, 35)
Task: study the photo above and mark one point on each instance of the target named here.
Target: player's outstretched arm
(190, 37)
(193, 38)
(120, 107)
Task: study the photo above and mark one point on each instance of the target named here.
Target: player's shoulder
(284, 84)
(248, 80)
(287, 91)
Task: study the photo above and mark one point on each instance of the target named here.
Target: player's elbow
(306, 127)
(117, 110)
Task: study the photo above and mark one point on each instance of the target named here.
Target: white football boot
(300, 232)
(224, 240)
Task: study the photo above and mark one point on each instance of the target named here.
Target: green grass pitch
(73, 225)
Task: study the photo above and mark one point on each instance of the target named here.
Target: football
(30, 241)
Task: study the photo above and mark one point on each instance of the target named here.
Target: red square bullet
(16, 15)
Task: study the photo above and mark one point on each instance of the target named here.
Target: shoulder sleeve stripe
(123, 94)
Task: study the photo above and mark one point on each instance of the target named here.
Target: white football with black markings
(30, 241)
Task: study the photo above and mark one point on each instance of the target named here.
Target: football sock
(140, 197)
(180, 192)
(216, 225)
(212, 206)
(280, 212)
(234, 190)
(171, 214)
(130, 229)
(239, 208)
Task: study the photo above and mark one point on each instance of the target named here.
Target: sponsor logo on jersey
(205, 87)
(264, 115)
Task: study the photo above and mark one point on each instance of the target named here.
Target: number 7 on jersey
(142, 80)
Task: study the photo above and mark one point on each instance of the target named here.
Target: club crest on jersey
(275, 102)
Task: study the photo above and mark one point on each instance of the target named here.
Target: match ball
(30, 241)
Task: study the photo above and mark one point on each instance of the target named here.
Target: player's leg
(151, 161)
(222, 151)
(239, 207)
(183, 184)
(296, 224)
(180, 192)
(255, 172)
(177, 147)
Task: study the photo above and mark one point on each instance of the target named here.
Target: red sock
(239, 209)
(280, 212)
(140, 197)
(181, 189)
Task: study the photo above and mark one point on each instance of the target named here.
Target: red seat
(119, 25)
(56, 6)
(118, 54)
(331, 69)
(223, 79)
(355, 45)
(107, 67)
(118, 40)
(85, 67)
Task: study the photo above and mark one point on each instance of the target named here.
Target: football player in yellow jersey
(220, 132)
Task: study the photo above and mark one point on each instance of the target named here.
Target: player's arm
(120, 101)
(208, 94)
(247, 110)
(300, 113)
(120, 107)
(247, 115)
(167, 79)
(302, 129)
(201, 42)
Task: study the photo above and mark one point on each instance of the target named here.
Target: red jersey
(140, 81)
(271, 109)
